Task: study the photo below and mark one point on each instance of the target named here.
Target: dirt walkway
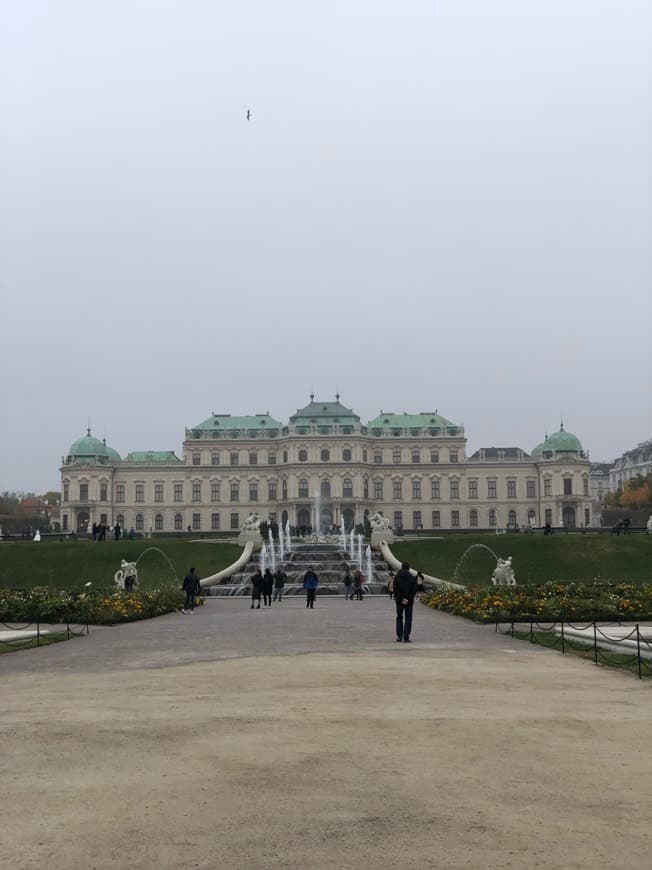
(422, 756)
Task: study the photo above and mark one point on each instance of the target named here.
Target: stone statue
(503, 573)
(378, 523)
(37, 536)
(649, 525)
(126, 577)
(252, 523)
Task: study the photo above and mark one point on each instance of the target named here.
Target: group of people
(267, 586)
(99, 532)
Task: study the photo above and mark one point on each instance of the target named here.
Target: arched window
(346, 455)
(326, 488)
(139, 522)
(365, 488)
(178, 522)
(285, 490)
(347, 489)
(303, 455)
(120, 520)
(158, 522)
(303, 489)
(325, 455)
(285, 456)
(473, 519)
(531, 517)
(492, 517)
(511, 518)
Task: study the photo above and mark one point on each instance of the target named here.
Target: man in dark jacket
(279, 584)
(405, 588)
(268, 585)
(310, 584)
(191, 587)
(256, 588)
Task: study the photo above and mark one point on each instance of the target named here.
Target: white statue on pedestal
(252, 523)
(378, 523)
(37, 536)
(503, 573)
(126, 577)
(649, 525)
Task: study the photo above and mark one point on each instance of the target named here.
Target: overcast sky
(435, 205)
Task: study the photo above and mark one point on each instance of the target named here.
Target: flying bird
(248, 114)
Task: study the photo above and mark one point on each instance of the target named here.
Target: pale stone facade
(412, 468)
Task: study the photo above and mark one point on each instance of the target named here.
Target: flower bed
(98, 608)
(596, 600)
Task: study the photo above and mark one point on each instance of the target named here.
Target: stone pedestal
(381, 535)
(244, 537)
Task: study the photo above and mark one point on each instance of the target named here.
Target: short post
(638, 652)
(531, 631)
(68, 625)
(38, 629)
(563, 642)
(595, 642)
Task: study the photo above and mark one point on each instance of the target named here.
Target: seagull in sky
(248, 114)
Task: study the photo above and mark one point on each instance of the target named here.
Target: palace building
(412, 468)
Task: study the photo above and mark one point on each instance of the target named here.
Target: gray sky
(435, 205)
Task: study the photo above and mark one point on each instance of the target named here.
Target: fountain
(370, 570)
(281, 544)
(289, 536)
(503, 574)
(352, 545)
(263, 558)
(343, 537)
(359, 552)
(271, 550)
(317, 513)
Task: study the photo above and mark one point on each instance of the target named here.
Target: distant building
(35, 507)
(412, 468)
(630, 464)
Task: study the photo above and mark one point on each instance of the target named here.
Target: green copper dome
(90, 449)
(560, 443)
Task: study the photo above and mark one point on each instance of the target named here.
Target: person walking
(390, 585)
(191, 587)
(420, 585)
(279, 584)
(348, 586)
(268, 585)
(310, 584)
(358, 580)
(256, 588)
(405, 588)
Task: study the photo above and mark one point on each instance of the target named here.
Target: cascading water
(343, 537)
(370, 570)
(271, 550)
(317, 513)
(288, 536)
(352, 545)
(360, 552)
(281, 544)
(465, 554)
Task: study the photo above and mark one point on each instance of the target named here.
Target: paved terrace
(294, 738)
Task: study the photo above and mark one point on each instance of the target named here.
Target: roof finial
(337, 394)
(88, 431)
(312, 396)
(561, 425)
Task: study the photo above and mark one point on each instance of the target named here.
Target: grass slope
(69, 565)
(535, 558)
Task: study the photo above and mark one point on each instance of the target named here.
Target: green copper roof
(88, 447)
(324, 413)
(152, 456)
(559, 442)
(411, 421)
(225, 422)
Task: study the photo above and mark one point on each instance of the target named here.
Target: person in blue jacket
(310, 584)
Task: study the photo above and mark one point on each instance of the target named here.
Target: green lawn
(535, 558)
(68, 565)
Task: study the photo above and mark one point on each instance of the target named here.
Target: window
(303, 455)
(531, 517)
(271, 458)
(158, 522)
(434, 456)
(346, 455)
(435, 489)
(547, 486)
(178, 522)
(455, 488)
(511, 519)
(140, 492)
(253, 492)
(398, 519)
(511, 489)
(253, 458)
(325, 489)
(396, 488)
(364, 455)
(196, 522)
(303, 489)
(196, 491)
(585, 485)
(215, 458)
(158, 492)
(103, 519)
(178, 492)
(492, 517)
(548, 516)
(568, 486)
(378, 457)
(215, 521)
(285, 456)
(378, 489)
(66, 491)
(473, 489)
(284, 490)
(416, 457)
(416, 520)
(531, 488)
(365, 488)
(196, 458)
(104, 492)
(139, 522)
(455, 519)
(83, 492)
(325, 455)
(234, 458)
(473, 519)
(272, 517)
(235, 492)
(396, 456)
(65, 523)
(416, 489)
(235, 524)
(587, 517)
(215, 490)
(453, 454)
(271, 490)
(347, 489)
(436, 519)
(492, 489)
